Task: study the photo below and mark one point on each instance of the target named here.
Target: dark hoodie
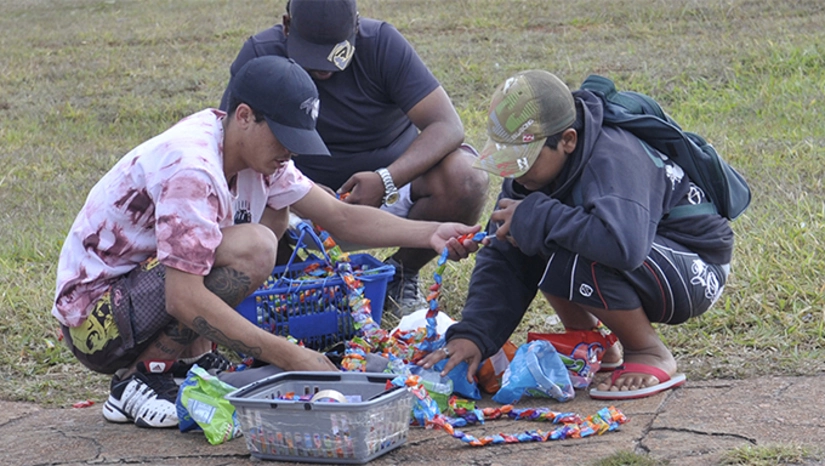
(608, 204)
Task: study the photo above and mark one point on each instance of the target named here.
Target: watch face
(392, 198)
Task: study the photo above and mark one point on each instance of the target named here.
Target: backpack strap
(633, 102)
(689, 210)
(680, 211)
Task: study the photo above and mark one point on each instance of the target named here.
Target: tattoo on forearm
(229, 284)
(211, 333)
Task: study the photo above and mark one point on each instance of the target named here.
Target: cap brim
(298, 140)
(312, 56)
(509, 160)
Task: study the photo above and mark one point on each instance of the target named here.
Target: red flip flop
(666, 382)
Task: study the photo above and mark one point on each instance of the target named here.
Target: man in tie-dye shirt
(187, 224)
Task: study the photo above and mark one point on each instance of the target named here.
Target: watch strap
(389, 185)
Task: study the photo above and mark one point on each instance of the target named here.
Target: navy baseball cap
(284, 93)
(322, 33)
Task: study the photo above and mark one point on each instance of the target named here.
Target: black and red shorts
(672, 285)
(124, 321)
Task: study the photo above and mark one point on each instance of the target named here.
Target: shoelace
(163, 385)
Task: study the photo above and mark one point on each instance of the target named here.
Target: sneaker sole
(113, 414)
(164, 423)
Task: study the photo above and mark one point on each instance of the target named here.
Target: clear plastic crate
(372, 422)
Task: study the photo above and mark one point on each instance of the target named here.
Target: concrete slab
(692, 425)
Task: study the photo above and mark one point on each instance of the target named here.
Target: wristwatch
(391, 195)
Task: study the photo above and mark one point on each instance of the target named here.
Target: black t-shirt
(363, 117)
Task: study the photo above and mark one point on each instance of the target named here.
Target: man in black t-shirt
(394, 135)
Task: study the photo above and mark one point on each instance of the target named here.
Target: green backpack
(641, 115)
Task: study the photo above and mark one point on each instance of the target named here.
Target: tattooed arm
(201, 304)
(375, 228)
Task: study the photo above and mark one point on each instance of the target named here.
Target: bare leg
(575, 317)
(196, 349)
(639, 340)
(237, 272)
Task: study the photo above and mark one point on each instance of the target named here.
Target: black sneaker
(403, 294)
(213, 362)
(146, 398)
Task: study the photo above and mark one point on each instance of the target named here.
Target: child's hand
(503, 217)
(458, 350)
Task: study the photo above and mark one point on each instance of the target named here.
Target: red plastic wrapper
(580, 350)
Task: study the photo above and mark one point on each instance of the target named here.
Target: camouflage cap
(525, 109)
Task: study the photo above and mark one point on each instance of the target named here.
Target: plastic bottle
(440, 388)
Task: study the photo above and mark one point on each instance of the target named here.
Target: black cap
(322, 33)
(281, 90)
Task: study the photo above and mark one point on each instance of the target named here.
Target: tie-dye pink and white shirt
(167, 197)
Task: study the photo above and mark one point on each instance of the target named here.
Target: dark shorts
(123, 321)
(672, 285)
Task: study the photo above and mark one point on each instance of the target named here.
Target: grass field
(83, 81)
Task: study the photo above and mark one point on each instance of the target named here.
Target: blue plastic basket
(315, 311)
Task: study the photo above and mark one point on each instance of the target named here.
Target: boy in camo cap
(582, 217)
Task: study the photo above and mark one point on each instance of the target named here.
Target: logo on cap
(311, 106)
(341, 54)
(521, 119)
(509, 82)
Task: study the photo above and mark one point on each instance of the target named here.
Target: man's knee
(469, 182)
(451, 191)
(249, 247)
(454, 181)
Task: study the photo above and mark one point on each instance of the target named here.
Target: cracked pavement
(692, 425)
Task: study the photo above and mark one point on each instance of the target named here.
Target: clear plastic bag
(581, 351)
(538, 371)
